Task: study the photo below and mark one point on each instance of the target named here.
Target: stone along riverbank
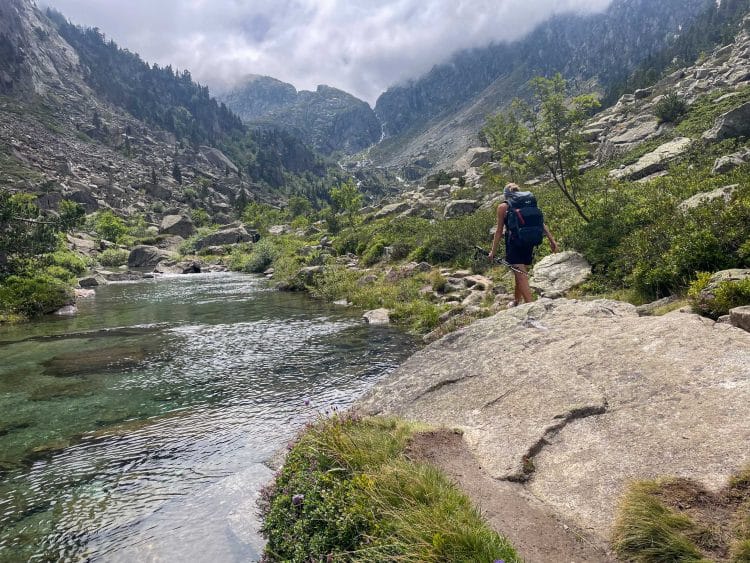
(139, 428)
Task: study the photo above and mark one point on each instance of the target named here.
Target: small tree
(299, 205)
(346, 199)
(177, 173)
(546, 134)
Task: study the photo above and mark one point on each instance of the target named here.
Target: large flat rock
(576, 398)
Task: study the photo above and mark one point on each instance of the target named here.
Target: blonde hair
(512, 187)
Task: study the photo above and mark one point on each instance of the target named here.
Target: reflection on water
(138, 429)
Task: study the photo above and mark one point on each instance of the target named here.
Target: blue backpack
(525, 221)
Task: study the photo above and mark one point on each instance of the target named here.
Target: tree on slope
(545, 135)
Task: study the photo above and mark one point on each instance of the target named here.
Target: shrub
(262, 256)
(32, 296)
(109, 226)
(113, 257)
(200, 218)
(717, 302)
(670, 108)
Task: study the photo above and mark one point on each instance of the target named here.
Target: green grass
(348, 493)
(702, 114)
(647, 530)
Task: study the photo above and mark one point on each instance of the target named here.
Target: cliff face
(435, 118)
(34, 59)
(330, 120)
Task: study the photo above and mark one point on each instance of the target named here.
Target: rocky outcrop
(230, 235)
(575, 399)
(734, 123)
(704, 198)
(328, 119)
(460, 207)
(726, 163)
(740, 317)
(180, 225)
(557, 273)
(655, 161)
(473, 158)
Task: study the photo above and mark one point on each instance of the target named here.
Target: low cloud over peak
(356, 45)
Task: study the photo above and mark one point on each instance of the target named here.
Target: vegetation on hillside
(347, 491)
(171, 100)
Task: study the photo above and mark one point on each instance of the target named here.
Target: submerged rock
(584, 397)
(377, 317)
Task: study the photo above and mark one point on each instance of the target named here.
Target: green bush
(109, 226)
(113, 257)
(670, 108)
(34, 295)
(726, 296)
(262, 256)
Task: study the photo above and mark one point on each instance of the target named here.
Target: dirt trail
(536, 534)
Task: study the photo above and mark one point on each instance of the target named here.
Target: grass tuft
(347, 492)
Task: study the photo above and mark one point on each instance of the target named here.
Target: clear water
(138, 430)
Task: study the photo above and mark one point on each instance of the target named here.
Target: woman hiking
(519, 248)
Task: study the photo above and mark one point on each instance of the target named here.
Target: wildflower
(297, 500)
(307, 402)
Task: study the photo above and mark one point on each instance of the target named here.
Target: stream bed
(139, 429)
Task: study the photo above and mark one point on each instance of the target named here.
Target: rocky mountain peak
(328, 119)
(33, 58)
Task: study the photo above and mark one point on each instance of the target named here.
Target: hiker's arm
(552, 243)
(501, 210)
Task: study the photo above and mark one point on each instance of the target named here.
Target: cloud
(360, 46)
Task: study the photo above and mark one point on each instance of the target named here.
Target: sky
(360, 46)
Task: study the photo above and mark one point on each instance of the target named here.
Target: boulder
(277, 230)
(179, 225)
(655, 161)
(377, 317)
(473, 158)
(726, 163)
(557, 273)
(144, 256)
(231, 235)
(83, 244)
(637, 132)
(307, 274)
(703, 198)
(740, 317)
(734, 123)
(90, 281)
(460, 207)
(392, 209)
(218, 159)
(575, 399)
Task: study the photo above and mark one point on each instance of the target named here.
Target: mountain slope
(330, 120)
(433, 119)
(82, 119)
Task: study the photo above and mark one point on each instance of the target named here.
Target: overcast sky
(361, 46)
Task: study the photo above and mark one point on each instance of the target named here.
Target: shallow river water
(138, 430)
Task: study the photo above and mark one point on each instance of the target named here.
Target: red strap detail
(520, 217)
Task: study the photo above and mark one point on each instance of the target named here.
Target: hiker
(522, 222)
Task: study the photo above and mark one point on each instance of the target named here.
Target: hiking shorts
(516, 253)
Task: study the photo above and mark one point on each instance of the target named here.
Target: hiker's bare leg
(523, 290)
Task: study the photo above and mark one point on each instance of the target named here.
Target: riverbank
(605, 397)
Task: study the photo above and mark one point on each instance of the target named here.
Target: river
(139, 429)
